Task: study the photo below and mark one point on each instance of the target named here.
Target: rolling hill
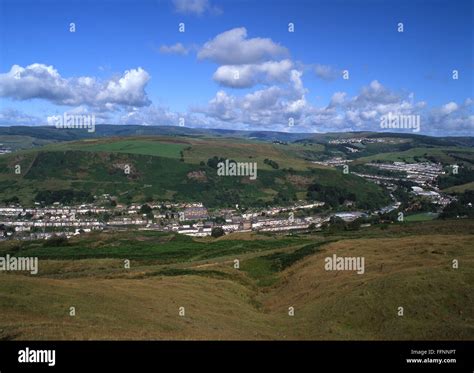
(407, 266)
(175, 169)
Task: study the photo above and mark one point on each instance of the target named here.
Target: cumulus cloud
(177, 48)
(232, 47)
(155, 115)
(122, 99)
(246, 62)
(257, 107)
(38, 81)
(376, 93)
(270, 107)
(264, 99)
(297, 83)
(452, 118)
(337, 98)
(449, 108)
(364, 110)
(223, 107)
(244, 76)
(129, 90)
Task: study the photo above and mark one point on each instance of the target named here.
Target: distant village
(353, 142)
(4, 149)
(191, 219)
(423, 174)
(194, 219)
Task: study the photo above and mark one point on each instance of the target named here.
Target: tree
(13, 199)
(219, 220)
(145, 209)
(354, 225)
(271, 163)
(334, 224)
(56, 241)
(217, 232)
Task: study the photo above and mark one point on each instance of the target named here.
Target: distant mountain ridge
(113, 130)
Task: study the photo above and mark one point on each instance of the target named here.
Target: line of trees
(271, 163)
(65, 196)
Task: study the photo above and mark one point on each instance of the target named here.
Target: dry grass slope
(414, 272)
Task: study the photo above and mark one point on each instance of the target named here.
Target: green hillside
(175, 169)
(445, 155)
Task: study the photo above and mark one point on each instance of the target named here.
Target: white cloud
(128, 90)
(177, 48)
(337, 98)
(452, 118)
(38, 81)
(264, 99)
(449, 108)
(296, 106)
(223, 106)
(233, 48)
(244, 76)
(375, 93)
(295, 78)
(281, 97)
(270, 107)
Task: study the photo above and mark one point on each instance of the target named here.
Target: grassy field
(22, 142)
(195, 149)
(145, 147)
(160, 247)
(406, 265)
(421, 216)
(460, 188)
(445, 155)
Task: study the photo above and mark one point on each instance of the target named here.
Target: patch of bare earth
(199, 176)
(299, 181)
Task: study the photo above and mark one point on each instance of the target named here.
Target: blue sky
(127, 62)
